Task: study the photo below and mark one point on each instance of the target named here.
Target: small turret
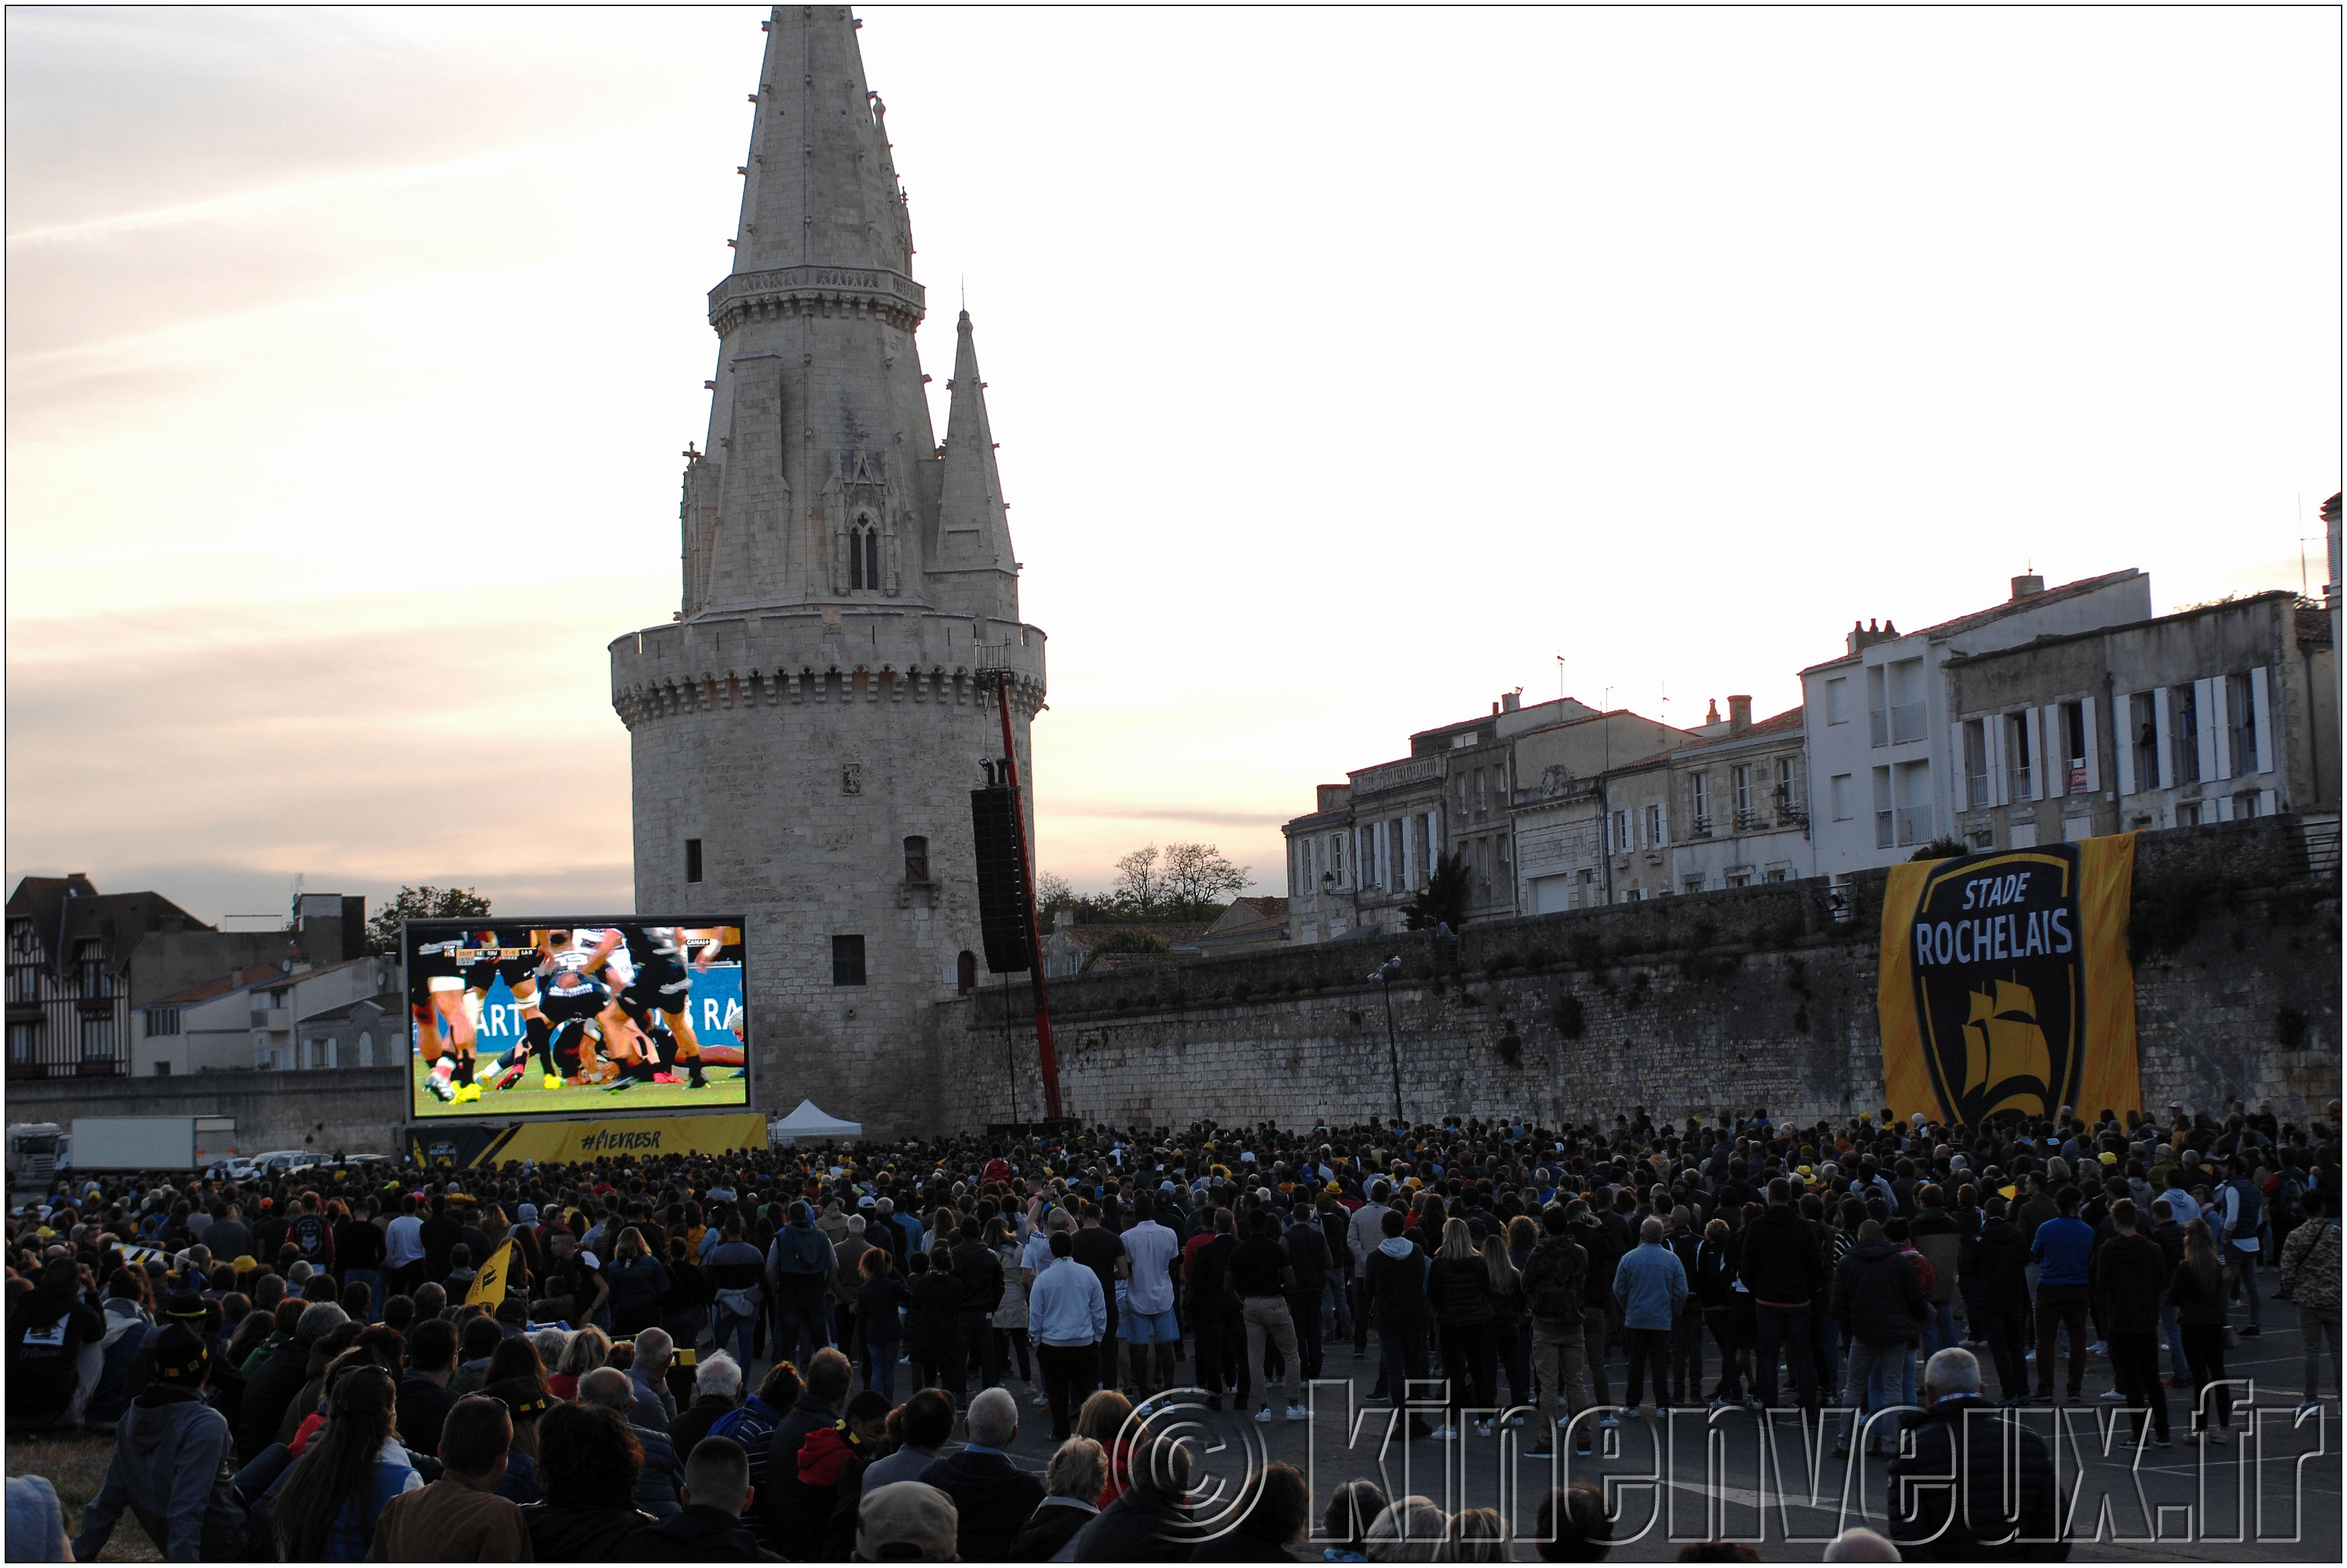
(972, 554)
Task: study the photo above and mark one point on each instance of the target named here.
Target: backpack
(1553, 1285)
(2286, 1190)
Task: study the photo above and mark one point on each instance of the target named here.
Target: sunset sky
(1348, 368)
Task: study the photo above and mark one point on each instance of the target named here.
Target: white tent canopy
(811, 1121)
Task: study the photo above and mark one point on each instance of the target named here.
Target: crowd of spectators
(697, 1358)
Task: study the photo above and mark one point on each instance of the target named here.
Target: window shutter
(1956, 749)
(1993, 742)
(2036, 746)
(2094, 751)
(2161, 698)
(2207, 707)
(2261, 709)
(2220, 733)
(2053, 779)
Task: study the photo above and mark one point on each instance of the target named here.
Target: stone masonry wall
(1692, 1004)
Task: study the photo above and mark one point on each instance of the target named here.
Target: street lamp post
(1385, 972)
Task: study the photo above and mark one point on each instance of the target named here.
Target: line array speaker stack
(1001, 880)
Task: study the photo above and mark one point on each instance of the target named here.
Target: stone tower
(805, 734)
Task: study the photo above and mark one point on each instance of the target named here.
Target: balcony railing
(1906, 723)
(1914, 824)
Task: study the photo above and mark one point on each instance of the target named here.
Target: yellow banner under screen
(2004, 984)
(564, 1142)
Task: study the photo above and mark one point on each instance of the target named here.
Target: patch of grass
(75, 1466)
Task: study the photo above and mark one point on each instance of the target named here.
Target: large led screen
(577, 1018)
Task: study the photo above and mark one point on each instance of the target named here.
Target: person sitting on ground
(655, 1406)
(424, 1397)
(787, 1513)
(716, 1390)
(1478, 1535)
(661, 1477)
(586, 1349)
(1345, 1525)
(905, 1521)
(923, 1426)
(476, 1341)
(1274, 1523)
(1151, 1522)
(588, 1463)
(1572, 1526)
(833, 1462)
(459, 1518)
(1071, 1481)
(1958, 1435)
(708, 1527)
(174, 1463)
(1411, 1530)
(525, 1399)
(991, 1496)
(325, 1508)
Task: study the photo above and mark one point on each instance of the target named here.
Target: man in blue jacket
(1651, 1284)
(174, 1464)
(2063, 1251)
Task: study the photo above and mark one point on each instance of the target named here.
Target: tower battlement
(785, 658)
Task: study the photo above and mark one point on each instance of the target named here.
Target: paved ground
(2274, 1496)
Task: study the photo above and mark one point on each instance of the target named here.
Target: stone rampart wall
(1693, 1005)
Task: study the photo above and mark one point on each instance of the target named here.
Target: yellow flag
(489, 1285)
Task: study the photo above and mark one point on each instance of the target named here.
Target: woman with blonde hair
(2197, 1291)
(1466, 1317)
(1476, 1535)
(1512, 1321)
(586, 1349)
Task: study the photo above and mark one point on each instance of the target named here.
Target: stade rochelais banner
(2005, 982)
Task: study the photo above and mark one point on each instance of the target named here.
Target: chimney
(1511, 701)
(1739, 714)
(1863, 637)
(1711, 715)
(1061, 919)
(1495, 710)
(2028, 586)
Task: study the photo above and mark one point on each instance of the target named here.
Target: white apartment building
(248, 1020)
(1882, 756)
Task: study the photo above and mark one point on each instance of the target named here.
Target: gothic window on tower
(848, 961)
(864, 555)
(692, 860)
(917, 859)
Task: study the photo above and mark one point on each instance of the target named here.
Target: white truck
(149, 1143)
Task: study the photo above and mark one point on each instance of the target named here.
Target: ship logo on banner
(2005, 985)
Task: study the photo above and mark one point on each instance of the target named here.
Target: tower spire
(973, 524)
(821, 185)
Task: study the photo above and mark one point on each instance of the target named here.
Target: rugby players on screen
(436, 991)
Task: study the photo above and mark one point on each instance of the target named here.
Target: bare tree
(1197, 876)
(1140, 881)
(1052, 891)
